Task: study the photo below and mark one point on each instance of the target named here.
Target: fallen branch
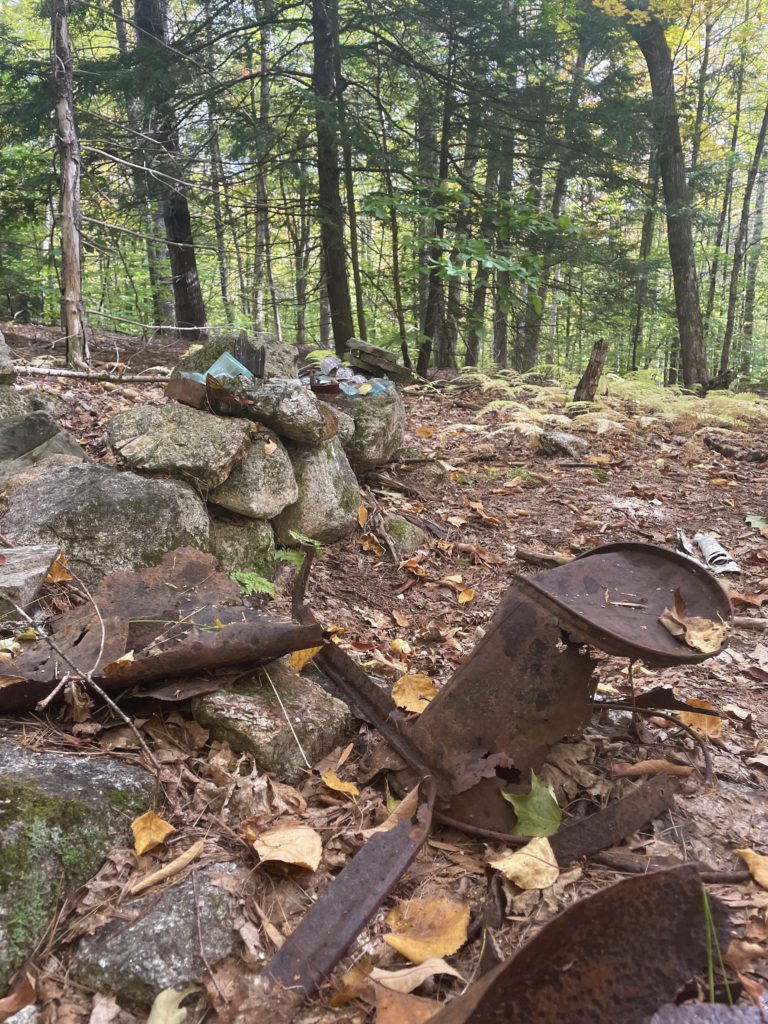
(87, 375)
(747, 622)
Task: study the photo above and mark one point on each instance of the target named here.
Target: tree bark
(646, 242)
(149, 16)
(755, 243)
(653, 45)
(740, 243)
(586, 389)
(68, 145)
(329, 201)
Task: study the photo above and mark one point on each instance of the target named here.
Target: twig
(542, 557)
(55, 371)
(747, 622)
(87, 678)
(288, 719)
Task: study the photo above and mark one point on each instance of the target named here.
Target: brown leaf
(300, 659)
(362, 516)
(397, 1008)
(704, 725)
(409, 978)
(741, 955)
(757, 864)
(20, 994)
(369, 543)
(402, 620)
(58, 573)
(701, 634)
(298, 845)
(332, 781)
(150, 831)
(427, 928)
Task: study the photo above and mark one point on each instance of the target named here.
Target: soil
(484, 500)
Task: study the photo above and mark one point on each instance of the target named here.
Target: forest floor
(473, 470)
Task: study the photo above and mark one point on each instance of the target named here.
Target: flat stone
(105, 519)
(22, 574)
(263, 484)
(7, 372)
(379, 427)
(251, 719)
(60, 814)
(26, 441)
(244, 546)
(329, 494)
(154, 941)
(286, 406)
(16, 401)
(406, 537)
(179, 440)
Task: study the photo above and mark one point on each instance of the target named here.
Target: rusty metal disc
(612, 598)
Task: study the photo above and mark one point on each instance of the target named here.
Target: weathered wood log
(586, 389)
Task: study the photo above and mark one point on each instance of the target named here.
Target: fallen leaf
(619, 770)
(414, 565)
(409, 978)
(749, 600)
(538, 813)
(701, 634)
(150, 831)
(170, 869)
(105, 1010)
(354, 983)
(58, 573)
(532, 867)
(332, 781)
(704, 725)
(754, 989)
(269, 447)
(456, 520)
(736, 711)
(422, 929)
(402, 620)
(740, 954)
(401, 648)
(298, 845)
(413, 692)
(757, 522)
(300, 659)
(362, 516)
(399, 810)
(466, 596)
(369, 543)
(399, 1008)
(757, 864)
(166, 1008)
(124, 659)
(20, 994)
(424, 431)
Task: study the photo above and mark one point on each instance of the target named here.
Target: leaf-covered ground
(474, 476)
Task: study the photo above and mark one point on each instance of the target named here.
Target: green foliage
(538, 813)
(290, 555)
(252, 583)
(302, 538)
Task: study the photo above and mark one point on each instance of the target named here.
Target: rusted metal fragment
(617, 821)
(616, 956)
(182, 617)
(613, 596)
(311, 952)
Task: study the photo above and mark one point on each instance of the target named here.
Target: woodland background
(501, 181)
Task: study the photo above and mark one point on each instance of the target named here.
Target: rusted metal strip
(325, 934)
(617, 956)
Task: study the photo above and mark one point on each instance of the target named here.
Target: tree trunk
(755, 242)
(329, 202)
(586, 389)
(658, 58)
(476, 330)
(740, 243)
(700, 97)
(149, 16)
(68, 145)
(646, 242)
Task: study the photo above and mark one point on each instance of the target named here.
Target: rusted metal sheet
(328, 929)
(182, 617)
(613, 596)
(617, 956)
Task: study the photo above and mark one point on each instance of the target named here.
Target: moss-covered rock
(329, 495)
(59, 817)
(379, 427)
(406, 537)
(244, 545)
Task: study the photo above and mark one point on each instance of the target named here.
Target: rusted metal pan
(614, 957)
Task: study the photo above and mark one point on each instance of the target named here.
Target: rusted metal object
(617, 956)
(181, 617)
(314, 948)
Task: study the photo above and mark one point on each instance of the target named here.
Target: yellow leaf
(704, 725)
(400, 647)
(413, 692)
(269, 447)
(362, 515)
(166, 1008)
(427, 928)
(454, 581)
(466, 596)
(58, 573)
(369, 543)
(300, 659)
(424, 431)
(532, 867)
(290, 844)
(401, 1008)
(150, 831)
(332, 781)
(701, 634)
(757, 864)
(124, 659)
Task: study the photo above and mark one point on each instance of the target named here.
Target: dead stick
(542, 557)
(747, 622)
(55, 371)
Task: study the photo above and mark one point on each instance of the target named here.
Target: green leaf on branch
(252, 583)
(538, 813)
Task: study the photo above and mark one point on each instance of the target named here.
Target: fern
(252, 583)
(296, 558)
(302, 538)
